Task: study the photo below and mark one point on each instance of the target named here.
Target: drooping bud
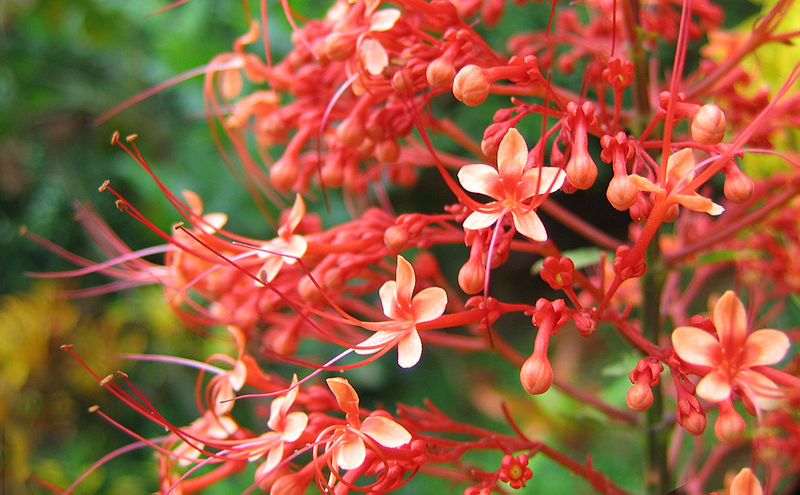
(309, 291)
(639, 396)
(536, 374)
(471, 85)
(694, 422)
(471, 276)
(581, 169)
(730, 426)
(230, 83)
(387, 151)
(351, 131)
(708, 126)
(738, 187)
(621, 192)
(441, 72)
(284, 172)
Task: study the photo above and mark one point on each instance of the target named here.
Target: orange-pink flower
(347, 442)
(405, 311)
(510, 185)
(732, 357)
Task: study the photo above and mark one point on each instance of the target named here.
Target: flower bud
(639, 396)
(581, 169)
(738, 186)
(471, 276)
(440, 73)
(672, 213)
(621, 192)
(308, 290)
(641, 208)
(332, 173)
(708, 126)
(471, 85)
(730, 426)
(283, 173)
(350, 131)
(339, 46)
(387, 151)
(694, 422)
(396, 238)
(536, 374)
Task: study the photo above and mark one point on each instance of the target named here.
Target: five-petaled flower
(405, 312)
(511, 186)
(287, 248)
(680, 172)
(286, 427)
(515, 470)
(347, 442)
(732, 359)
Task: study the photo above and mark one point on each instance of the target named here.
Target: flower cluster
(359, 105)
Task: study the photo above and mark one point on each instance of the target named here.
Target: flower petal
(384, 20)
(405, 282)
(274, 456)
(730, 320)
(376, 342)
(478, 220)
(714, 387)
(529, 224)
(696, 346)
(385, 431)
(644, 184)
(481, 179)
(746, 483)
(761, 391)
(409, 350)
(294, 425)
(764, 347)
(512, 155)
(388, 295)
(540, 180)
(345, 394)
(373, 56)
(350, 452)
(429, 304)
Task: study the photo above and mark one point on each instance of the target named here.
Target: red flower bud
(471, 85)
(471, 276)
(621, 192)
(396, 238)
(730, 426)
(536, 374)
(639, 396)
(738, 186)
(708, 126)
(440, 73)
(283, 173)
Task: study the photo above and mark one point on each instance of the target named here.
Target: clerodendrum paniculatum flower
(510, 185)
(405, 311)
(731, 359)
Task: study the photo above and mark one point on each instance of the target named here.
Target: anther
(94, 408)
(121, 205)
(115, 138)
(105, 380)
(104, 185)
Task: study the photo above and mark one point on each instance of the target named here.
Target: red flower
(510, 185)
(731, 358)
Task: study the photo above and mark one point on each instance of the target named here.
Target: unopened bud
(350, 131)
(309, 291)
(694, 422)
(738, 187)
(536, 374)
(708, 126)
(641, 208)
(440, 73)
(639, 396)
(396, 238)
(621, 192)
(387, 151)
(730, 426)
(339, 46)
(332, 172)
(672, 213)
(581, 169)
(283, 173)
(471, 277)
(471, 85)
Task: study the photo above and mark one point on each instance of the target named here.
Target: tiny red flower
(515, 470)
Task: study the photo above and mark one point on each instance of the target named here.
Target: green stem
(658, 477)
